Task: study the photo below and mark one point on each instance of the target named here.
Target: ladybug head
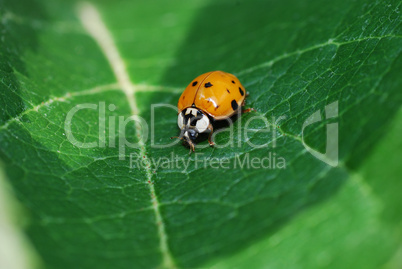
(191, 122)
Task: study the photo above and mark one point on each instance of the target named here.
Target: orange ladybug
(212, 96)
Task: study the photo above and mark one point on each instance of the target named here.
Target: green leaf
(88, 208)
(359, 227)
(15, 250)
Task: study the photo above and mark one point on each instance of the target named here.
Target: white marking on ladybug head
(192, 111)
(180, 121)
(202, 124)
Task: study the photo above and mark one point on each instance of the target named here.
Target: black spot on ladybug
(216, 107)
(195, 83)
(234, 104)
(183, 97)
(233, 82)
(227, 90)
(241, 91)
(208, 84)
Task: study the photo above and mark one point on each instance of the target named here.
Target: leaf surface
(293, 57)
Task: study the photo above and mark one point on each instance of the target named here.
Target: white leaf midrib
(96, 28)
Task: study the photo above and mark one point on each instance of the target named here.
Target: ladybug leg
(192, 148)
(180, 136)
(191, 145)
(211, 130)
(248, 109)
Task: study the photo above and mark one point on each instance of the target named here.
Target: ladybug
(210, 97)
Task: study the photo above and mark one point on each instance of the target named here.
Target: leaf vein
(93, 23)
